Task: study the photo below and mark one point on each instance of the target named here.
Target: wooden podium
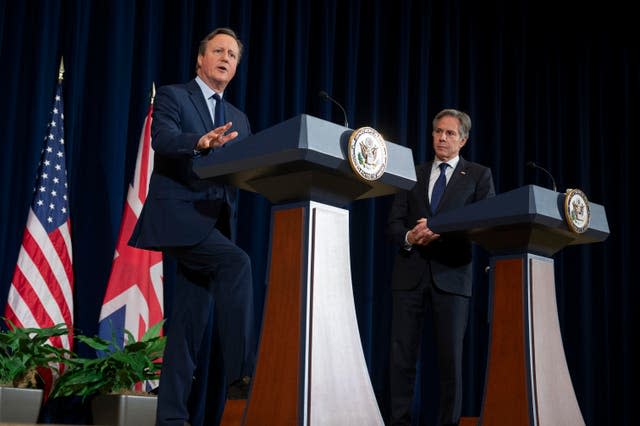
(310, 368)
(527, 378)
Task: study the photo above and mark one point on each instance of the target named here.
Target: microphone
(533, 165)
(324, 95)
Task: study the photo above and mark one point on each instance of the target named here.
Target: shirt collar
(453, 162)
(206, 90)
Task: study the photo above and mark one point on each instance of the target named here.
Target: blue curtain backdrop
(554, 84)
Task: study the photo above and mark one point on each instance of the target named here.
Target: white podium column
(311, 369)
(340, 391)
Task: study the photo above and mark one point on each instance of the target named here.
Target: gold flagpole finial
(61, 69)
(153, 91)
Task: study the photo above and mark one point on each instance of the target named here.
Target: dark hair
(228, 31)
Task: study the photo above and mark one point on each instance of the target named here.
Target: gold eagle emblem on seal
(576, 210)
(367, 153)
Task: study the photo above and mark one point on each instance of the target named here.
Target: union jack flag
(134, 295)
(41, 292)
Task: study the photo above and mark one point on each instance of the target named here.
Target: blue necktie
(218, 121)
(219, 111)
(438, 187)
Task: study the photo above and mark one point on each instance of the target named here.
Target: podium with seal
(310, 367)
(527, 378)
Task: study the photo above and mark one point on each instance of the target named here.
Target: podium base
(233, 412)
(311, 369)
(528, 381)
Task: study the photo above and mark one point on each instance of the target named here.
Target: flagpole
(61, 70)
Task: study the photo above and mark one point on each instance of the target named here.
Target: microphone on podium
(533, 165)
(324, 95)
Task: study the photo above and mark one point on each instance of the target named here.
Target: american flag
(41, 292)
(134, 295)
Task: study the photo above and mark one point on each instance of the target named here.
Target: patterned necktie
(219, 111)
(438, 187)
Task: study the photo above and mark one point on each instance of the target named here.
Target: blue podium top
(526, 219)
(304, 158)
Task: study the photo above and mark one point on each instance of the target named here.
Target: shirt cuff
(407, 245)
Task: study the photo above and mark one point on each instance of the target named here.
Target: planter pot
(124, 410)
(18, 405)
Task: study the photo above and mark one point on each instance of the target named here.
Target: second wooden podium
(527, 378)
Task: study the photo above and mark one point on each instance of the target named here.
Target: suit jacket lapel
(200, 104)
(229, 115)
(455, 178)
(422, 186)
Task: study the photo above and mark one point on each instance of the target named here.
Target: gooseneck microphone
(325, 95)
(533, 165)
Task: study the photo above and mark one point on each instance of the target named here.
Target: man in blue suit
(190, 220)
(432, 272)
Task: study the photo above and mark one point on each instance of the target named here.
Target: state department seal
(576, 210)
(367, 153)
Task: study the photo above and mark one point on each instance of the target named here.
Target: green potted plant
(25, 353)
(110, 379)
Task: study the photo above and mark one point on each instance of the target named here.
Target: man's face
(447, 140)
(217, 65)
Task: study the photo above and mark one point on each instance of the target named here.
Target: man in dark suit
(432, 272)
(190, 220)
